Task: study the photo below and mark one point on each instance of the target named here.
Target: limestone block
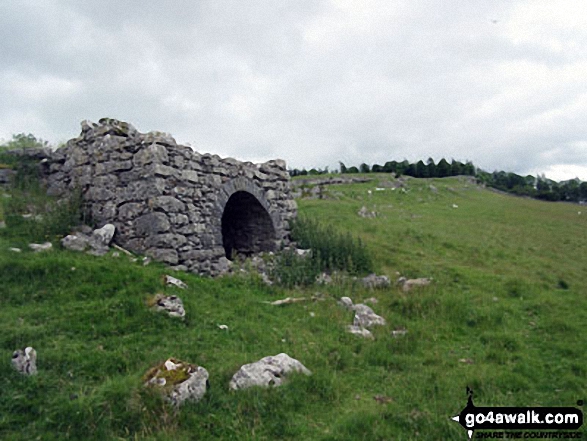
(172, 305)
(38, 247)
(190, 175)
(269, 371)
(179, 220)
(130, 210)
(366, 318)
(103, 168)
(103, 236)
(100, 194)
(165, 240)
(164, 255)
(154, 153)
(168, 204)
(25, 361)
(75, 242)
(163, 170)
(360, 331)
(152, 223)
(374, 281)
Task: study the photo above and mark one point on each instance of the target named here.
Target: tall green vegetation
(30, 214)
(331, 249)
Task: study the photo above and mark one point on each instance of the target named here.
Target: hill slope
(504, 315)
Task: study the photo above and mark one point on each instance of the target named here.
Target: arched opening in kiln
(247, 227)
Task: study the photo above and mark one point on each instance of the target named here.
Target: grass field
(505, 315)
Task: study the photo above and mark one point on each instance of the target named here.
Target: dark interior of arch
(246, 226)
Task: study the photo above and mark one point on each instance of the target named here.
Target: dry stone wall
(192, 211)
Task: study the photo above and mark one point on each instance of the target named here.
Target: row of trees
(536, 187)
(417, 169)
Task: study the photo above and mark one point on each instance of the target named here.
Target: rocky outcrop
(178, 381)
(269, 371)
(189, 210)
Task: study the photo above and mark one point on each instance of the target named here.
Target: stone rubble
(25, 361)
(269, 371)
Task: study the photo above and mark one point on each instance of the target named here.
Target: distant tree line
(536, 187)
(417, 169)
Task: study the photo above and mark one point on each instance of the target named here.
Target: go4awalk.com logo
(520, 422)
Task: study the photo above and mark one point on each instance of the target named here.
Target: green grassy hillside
(505, 315)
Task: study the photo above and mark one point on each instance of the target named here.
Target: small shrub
(331, 249)
(563, 284)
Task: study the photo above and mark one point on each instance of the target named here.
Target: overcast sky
(502, 83)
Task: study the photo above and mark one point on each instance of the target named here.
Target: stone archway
(247, 227)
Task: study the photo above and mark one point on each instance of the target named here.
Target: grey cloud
(312, 82)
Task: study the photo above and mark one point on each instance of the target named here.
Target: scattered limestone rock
(364, 212)
(288, 301)
(169, 280)
(324, 279)
(179, 381)
(269, 371)
(25, 361)
(103, 236)
(303, 253)
(75, 242)
(2, 224)
(365, 317)
(15, 250)
(346, 302)
(360, 331)
(374, 281)
(170, 304)
(399, 332)
(38, 247)
(408, 284)
(372, 300)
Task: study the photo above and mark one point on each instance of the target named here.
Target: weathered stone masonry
(189, 210)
